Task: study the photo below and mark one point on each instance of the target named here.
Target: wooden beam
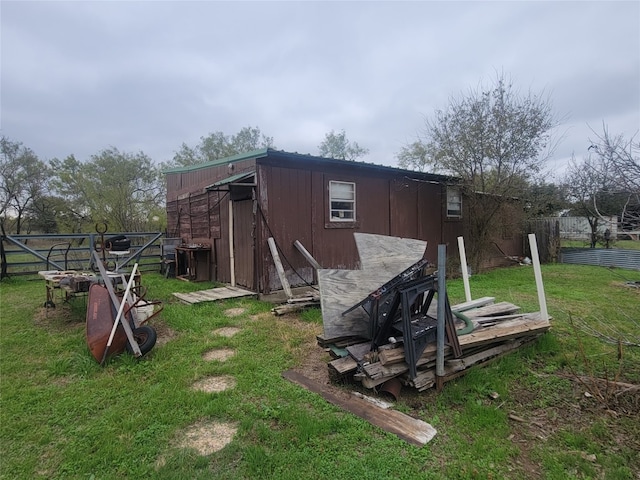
(307, 255)
(279, 267)
(410, 429)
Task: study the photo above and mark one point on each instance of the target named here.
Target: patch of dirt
(314, 364)
(226, 331)
(207, 437)
(165, 332)
(314, 358)
(58, 319)
(215, 384)
(234, 312)
(219, 354)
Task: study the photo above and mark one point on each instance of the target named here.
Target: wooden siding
(180, 184)
(286, 215)
(292, 203)
(295, 204)
(194, 216)
(243, 240)
(432, 202)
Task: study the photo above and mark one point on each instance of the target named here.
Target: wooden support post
(465, 271)
(279, 267)
(232, 260)
(307, 255)
(538, 274)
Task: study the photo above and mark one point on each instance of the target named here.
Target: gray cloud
(78, 77)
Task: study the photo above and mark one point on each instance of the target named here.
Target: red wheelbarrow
(111, 326)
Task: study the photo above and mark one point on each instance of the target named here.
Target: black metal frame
(400, 308)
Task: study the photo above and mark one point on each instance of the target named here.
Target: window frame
(333, 219)
(453, 191)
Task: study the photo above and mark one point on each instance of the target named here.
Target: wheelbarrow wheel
(146, 337)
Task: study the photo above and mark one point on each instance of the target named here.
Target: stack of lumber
(499, 329)
(297, 303)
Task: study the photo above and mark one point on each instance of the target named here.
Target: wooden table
(193, 263)
(69, 283)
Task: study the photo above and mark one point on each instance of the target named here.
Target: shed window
(454, 202)
(342, 201)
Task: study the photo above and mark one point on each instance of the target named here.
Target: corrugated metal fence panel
(629, 259)
(577, 228)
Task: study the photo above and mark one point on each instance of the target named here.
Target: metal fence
(29, 254)
(604, 257)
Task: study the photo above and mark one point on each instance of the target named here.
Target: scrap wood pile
(381, 332)
(297, 303)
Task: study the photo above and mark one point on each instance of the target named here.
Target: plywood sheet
(381, 258)
(339, 291)
(390, 255)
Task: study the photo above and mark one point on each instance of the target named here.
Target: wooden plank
(213, 294)
(338, 341)
(410, 429)
(522, 326)
(343, 365)
(453, 369)
(359, 350)
(501, 308)
(305, 253)
(292, 308)
(479, 302)
(184, 297)
(279, 267)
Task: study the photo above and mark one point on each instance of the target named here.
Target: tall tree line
(124, 190)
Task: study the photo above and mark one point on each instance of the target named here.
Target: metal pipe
(442, 295)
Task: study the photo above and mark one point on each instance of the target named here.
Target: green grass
(619, 244)
(64, 416)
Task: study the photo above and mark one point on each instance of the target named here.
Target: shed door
(243, 243)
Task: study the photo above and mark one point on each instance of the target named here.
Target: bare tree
(618, 160)
(495, 141)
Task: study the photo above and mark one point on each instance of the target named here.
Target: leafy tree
(336, 145)
(495, 141)
(217, 145)
(23, 179)
(544, 199)
(121, 189)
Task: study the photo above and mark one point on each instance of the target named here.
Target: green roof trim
(220, 161)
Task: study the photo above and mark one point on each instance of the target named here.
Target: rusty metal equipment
(400, 308)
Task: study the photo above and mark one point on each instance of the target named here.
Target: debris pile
(380, 322)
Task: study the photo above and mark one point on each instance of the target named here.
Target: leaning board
(381, 258)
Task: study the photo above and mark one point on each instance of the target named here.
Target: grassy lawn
(619, 244)
(64, 416)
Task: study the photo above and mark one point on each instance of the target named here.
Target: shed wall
(295, 205)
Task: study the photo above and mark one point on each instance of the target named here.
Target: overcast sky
(78, 77)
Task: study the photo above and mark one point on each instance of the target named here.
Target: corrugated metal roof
(221, 161)
(279, 154)
(233, 178)
(604, 257)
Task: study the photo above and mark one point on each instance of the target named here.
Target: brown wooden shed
(233, 205)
